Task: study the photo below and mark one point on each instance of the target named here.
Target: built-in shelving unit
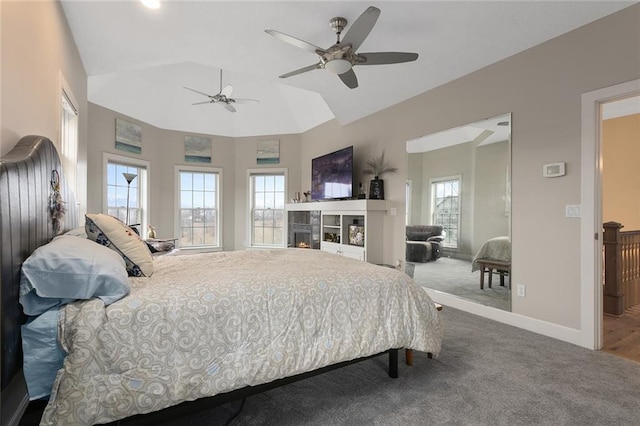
(353, 228)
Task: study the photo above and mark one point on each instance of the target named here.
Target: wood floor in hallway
(622, 335)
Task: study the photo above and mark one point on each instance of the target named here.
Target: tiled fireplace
(304, 229)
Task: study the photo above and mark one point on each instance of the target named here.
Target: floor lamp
(129, 177)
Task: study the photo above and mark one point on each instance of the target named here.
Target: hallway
(621, 336)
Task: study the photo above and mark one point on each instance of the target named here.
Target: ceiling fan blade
(197, 91)
(245, 101)
(226, 91)
(301, 70)
(296, 42)
(202, 103)
(349, 78)
(229, 107)
(381, 58)
(361, 28)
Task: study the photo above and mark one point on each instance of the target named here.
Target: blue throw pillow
(71, 268)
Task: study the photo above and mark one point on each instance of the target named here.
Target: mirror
(458, 215)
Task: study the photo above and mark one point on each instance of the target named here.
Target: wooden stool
(408, 353)
(488, 265)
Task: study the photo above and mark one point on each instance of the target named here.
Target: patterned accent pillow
(115, 234)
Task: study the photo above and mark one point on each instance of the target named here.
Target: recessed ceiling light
(151, 4)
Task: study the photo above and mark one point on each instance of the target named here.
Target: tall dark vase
(376, 189)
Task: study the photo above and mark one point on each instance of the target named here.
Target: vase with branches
(377, 166)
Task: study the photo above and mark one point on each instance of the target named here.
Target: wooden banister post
(613, 295)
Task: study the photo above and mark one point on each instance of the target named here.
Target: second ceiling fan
(342, 57)
(223, 97)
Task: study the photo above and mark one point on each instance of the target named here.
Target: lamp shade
(129, 177)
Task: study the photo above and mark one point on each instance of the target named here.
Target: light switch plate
(573, 210)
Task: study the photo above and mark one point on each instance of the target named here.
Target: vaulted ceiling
(138, 60)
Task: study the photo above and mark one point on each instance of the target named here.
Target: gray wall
(165, 148)
(483, 184)
(490, 215)
(542, 88)
(37, 48)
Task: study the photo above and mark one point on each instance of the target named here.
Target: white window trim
(408, 202)
(432, 204)
(176, 210)
(249, 240)
(72, 176)
(144, 182)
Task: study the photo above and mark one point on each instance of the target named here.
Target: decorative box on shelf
(161, 244)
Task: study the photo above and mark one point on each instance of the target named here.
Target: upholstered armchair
(423, 243)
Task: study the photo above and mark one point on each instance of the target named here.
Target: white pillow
(115, 234)
(71, 268)
(77, 232)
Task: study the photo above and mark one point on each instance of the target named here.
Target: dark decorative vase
(376, 189)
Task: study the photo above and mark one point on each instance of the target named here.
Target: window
(267, 191)
(445, 208)
(69, 139)
(199, 207)
(119, 191)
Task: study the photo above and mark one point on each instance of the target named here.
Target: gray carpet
(454, 276)
(487, 374)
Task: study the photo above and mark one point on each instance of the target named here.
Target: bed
(208, 326)
(494, 256)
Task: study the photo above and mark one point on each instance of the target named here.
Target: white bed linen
(498, 248)
(211, 323)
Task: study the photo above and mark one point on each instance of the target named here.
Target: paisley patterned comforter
(210, 323)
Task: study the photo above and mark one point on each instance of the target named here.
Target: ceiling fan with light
(223, 97)
(342, 57)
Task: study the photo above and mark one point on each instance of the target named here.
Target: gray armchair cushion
(423, 232)
(418, 236)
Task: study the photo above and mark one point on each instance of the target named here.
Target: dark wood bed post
(393, 363)
(25, 174)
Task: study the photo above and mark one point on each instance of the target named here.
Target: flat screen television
(332, 175)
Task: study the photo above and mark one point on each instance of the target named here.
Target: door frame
(591, 294)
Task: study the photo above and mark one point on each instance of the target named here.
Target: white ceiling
(485, 132)
(138, 60)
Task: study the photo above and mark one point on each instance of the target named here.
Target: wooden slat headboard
(25, 225)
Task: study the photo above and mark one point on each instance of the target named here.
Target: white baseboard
(566, 334)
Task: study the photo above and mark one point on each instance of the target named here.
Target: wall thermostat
(553, 170)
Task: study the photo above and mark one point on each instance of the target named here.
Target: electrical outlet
(521, 290)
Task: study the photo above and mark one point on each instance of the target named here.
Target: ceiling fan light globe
(338, 66)
(151, 4)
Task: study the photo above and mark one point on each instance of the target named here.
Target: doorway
(591, 294)
(620, 204)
